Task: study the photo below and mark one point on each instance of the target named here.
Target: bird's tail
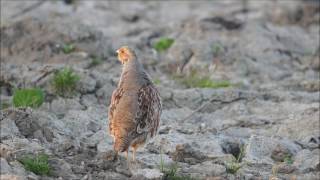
(121, 144)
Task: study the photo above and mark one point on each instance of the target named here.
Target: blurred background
(248, 70)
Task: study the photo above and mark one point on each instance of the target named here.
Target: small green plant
(288, 159)
(217, 49)
(28, 98)
(233, 166)
(163, 44)
(37, 164)
(68, 48)
(170, 173)
(195, 80)
(95, 61)
(156, 81)
(65, 82)
(5, 105)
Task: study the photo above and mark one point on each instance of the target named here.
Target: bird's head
(125, 54)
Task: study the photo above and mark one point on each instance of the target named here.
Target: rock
(104, 94)
(61, 106)
(205, 169)
(85, 123)
(151, 160)
(23, 146)
(307, 161)
(112, 175)
(185, 153)
(97, 138)
(8, 129)
(5, 168)
(5, 151)
(11, 177)
(259, 149)
(153, 174)
(285, 168)
(280, 153)
(25, 122)
(89, 100)
(105, 144)
(60, 168)
(86, 84)
(18, 169)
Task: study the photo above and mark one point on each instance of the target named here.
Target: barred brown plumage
(135, 108)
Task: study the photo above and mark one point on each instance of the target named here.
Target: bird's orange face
(124, 54)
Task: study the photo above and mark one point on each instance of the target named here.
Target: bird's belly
(124, 117)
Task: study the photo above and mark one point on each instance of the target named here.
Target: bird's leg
(127, 154)
(134, 149)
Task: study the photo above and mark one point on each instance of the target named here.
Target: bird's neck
(131, 65)
(131, 72)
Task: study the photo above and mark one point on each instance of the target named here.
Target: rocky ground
(264, 126)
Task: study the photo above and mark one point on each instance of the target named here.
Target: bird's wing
(149, 110)
(115, 98)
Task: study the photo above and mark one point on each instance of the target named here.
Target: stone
(61, 106)
(60, 168)
(8, 129)
(5, 167)
(259, 149)
(11, 177)
(205, 169)
(86, 84)
(307, 161)
(153, 174)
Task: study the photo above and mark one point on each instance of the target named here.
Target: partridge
(135, 109)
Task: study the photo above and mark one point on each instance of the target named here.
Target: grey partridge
(135, 108)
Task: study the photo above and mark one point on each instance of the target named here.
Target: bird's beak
(117, 51)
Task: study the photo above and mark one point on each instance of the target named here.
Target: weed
(68, 48)
(234, 166)
(28, 98)
(288, 159)
(156, 81)
(195, 80)
(170, 173)
(95, 61)
(37, 164)
(65, 82)
(163, 44)
(217, 49)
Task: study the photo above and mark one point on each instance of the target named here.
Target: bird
(135, 108)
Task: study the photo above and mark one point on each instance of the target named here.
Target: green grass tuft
(288, 159)
(170, 173)
(95, 61)
(163, 44)
(156, 81)
(234, 166)
(194, 80)
(217, 49)
(65, 82)
(37, 164)
(68, 48)
(28, 98)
